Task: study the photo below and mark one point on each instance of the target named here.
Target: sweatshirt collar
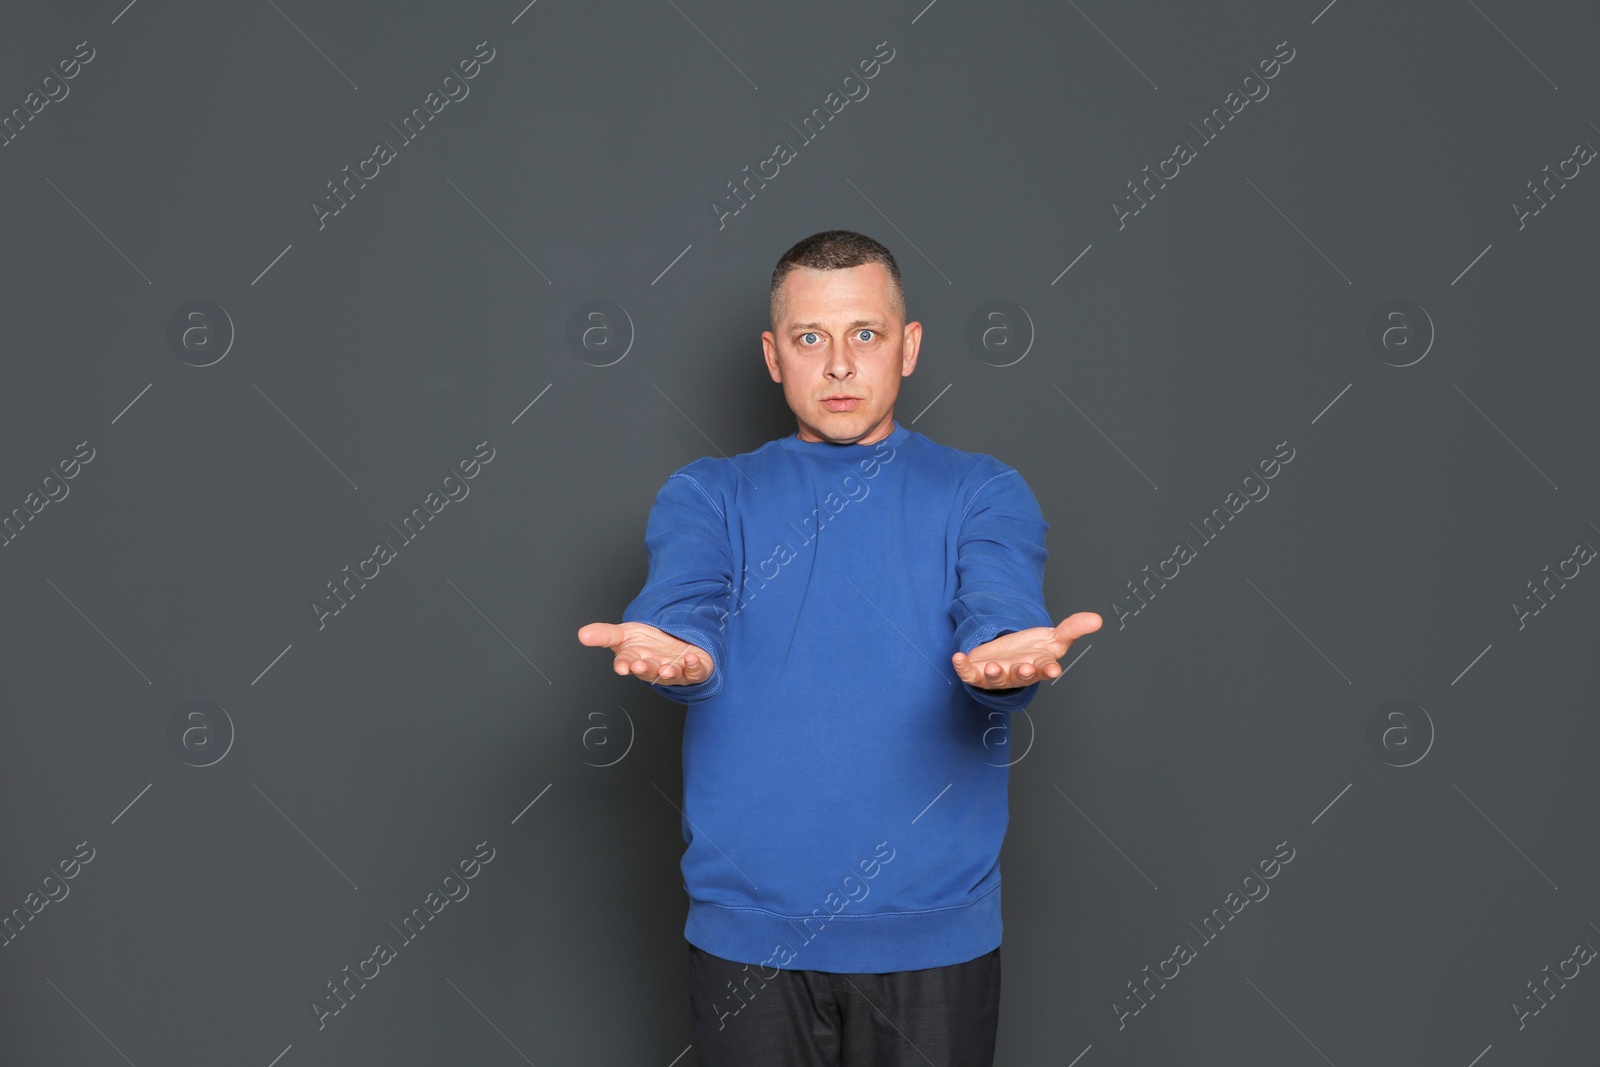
(895, 439)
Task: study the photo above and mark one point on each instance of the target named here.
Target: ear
(910, 346)
(769, 350)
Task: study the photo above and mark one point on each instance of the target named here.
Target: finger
(1018, 675)
(1009, 676)
(674, 671)
(988, 673)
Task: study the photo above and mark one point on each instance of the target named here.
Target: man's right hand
(649, 654)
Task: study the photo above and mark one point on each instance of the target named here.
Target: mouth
(841, 403)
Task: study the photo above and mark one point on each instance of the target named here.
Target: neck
(872, 437)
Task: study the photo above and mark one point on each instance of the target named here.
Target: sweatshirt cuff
(700, 638)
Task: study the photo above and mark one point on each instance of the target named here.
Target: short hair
(836, 250)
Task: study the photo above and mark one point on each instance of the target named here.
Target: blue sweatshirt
(844, 792)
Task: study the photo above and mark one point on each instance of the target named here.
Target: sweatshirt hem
(843, 943)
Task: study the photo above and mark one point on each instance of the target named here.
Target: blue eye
(866, 332)
(806, 335)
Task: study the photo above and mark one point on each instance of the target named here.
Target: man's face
(841, 336)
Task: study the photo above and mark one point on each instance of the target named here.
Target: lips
(843, 403)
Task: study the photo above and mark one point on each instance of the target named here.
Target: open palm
(1022, 658)
(649, 654)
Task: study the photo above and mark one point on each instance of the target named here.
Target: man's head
(839, 330)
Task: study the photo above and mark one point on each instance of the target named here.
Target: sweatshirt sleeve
(1000, 557)
(689, 583)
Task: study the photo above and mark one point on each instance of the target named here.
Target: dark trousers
(745, 1016)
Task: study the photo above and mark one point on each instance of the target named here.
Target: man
(843, 804)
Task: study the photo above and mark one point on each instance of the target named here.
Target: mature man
(842, 810)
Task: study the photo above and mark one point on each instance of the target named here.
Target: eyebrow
(853, 325)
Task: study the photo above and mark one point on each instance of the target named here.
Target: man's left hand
(1019, 659)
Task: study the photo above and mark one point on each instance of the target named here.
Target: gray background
(360, 760)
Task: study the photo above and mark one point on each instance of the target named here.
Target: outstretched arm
(1006, 641)
(685, 598)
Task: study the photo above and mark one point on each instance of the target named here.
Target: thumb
(1077, 625)
(601, 635)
